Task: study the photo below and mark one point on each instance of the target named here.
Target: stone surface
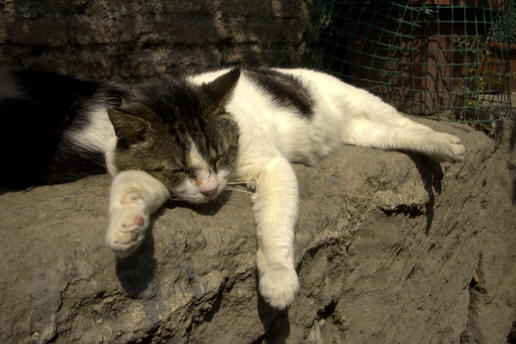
(390, 248)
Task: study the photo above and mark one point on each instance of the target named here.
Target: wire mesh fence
(427, 57)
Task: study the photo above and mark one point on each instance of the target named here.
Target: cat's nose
(207, 183)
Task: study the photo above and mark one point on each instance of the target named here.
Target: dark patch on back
(72, 162)
(284, 89)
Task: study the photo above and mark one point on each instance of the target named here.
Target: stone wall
(126, 40)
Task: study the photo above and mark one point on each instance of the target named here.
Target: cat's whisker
(235, 178)
(238, 183)
(229, 188)
(234, 175)
(175, 199)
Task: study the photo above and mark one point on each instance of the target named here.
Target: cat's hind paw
(450, 147)
(279, 287)
(126, 230)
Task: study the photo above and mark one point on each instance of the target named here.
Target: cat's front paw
(127, 228)
(450, 148)
(279, 286)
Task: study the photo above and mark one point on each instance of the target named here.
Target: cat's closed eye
(224, 159)
(179, 171)
(217, 160)
(169, 172)
(157, 168)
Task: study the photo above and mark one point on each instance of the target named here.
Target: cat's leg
(135, 195)
(275, 209)
(405, 135)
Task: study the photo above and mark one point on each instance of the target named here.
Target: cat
(191, 138)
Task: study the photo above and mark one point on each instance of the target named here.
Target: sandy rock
(390, 248)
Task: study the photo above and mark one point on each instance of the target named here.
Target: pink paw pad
(139, 220)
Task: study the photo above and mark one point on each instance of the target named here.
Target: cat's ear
(128, 128)
(219, 89)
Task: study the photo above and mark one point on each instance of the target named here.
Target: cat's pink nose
(207, 183)
(209, 193)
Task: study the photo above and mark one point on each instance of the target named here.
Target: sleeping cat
(191, 138)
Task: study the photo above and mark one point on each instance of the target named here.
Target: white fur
(135, 195)
(195, 158)
(98, 135)
(270, 136)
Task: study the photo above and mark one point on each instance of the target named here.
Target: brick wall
(126, 40)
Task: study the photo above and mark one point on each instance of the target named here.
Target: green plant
(477, 51)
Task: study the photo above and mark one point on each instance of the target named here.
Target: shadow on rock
(136, 272)
(206, 209)
(275, 322)
(432, 174)
(7, 189)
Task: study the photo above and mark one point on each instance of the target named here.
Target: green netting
(426, 57)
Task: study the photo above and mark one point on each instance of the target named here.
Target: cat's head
(179, 133)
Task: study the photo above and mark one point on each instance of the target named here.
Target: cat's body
(191, 138)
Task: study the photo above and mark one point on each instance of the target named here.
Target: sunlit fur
(272, 134)
(185, 139)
